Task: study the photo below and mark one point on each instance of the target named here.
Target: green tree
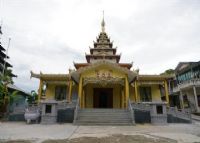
(33, 98)
(5, 96)
(168, 72)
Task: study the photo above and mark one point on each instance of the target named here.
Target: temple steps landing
(99, 116)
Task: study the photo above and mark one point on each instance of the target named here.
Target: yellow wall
(50, 91)
(116, 96)
(104, 69)
(116, 88)
(155, 92)
(89, 96)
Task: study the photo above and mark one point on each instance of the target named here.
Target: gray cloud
(48, 35)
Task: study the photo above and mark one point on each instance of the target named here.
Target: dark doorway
(103, 98)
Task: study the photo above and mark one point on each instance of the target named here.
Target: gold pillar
(70, 91)
(40, 90)
(126, 92)
(80, 88)
(136, 92)
(166, 92)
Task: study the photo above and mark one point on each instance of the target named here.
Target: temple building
(103, 82)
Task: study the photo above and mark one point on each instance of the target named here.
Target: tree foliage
(5, 96)
(33, 98)
(168, 72)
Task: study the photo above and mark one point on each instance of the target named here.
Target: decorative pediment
(103, 64)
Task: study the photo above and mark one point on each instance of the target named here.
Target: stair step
(104, 114)
(104, 121)
(104, 124)
(102, 110)
(83, 120)
(103, 117)
(100, 117)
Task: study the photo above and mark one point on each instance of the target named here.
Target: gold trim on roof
(154, 77)
(42, 76)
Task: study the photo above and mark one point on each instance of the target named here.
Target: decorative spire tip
(103, 24)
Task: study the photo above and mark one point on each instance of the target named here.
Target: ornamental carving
(103, 81)
(104, 74)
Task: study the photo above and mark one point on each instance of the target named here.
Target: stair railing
(131, 111)
(76, 111)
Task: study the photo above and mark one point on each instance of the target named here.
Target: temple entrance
(103, 98)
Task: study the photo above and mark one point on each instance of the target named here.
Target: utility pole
(4, 66)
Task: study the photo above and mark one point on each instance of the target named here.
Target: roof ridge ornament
(103, 24)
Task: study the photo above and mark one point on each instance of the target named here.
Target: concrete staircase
(103, 117)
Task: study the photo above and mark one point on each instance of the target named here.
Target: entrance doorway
(103, 98)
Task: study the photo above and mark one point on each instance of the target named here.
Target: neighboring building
(185, 87)
(103, 82)
(18, 103)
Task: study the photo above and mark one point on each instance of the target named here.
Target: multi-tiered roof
(4, 65)
(103, 50)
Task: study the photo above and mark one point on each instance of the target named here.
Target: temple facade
(103, 81)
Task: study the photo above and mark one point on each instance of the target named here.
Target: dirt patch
(114, 139)
(16, 141)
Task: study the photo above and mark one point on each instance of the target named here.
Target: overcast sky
(48, 35)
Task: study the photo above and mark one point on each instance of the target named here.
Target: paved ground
(181, 133)
(195, 118)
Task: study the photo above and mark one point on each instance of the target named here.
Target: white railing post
(131, 111)
(76, 111)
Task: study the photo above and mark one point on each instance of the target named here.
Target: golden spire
(103, 24)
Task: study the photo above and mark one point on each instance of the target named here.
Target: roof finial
(103, 24)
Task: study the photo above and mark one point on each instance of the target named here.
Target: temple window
(60, 92)
(159, 109)
(145, 94)
(162, 92)
(198, 100)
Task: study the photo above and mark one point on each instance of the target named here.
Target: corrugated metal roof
(11, 86)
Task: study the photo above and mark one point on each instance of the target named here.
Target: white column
(181, 100)
(169, 86)
(195, 98)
